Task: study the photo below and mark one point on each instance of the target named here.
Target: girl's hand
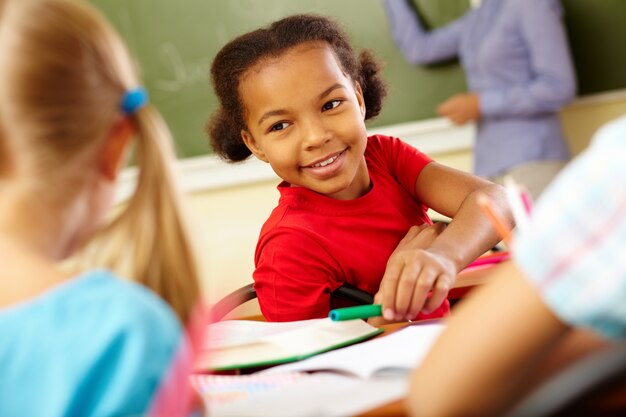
(412, 273)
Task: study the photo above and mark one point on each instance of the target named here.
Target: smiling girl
(296, 96)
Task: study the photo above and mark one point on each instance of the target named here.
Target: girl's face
(306, 118)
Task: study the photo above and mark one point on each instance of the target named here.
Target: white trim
(205, 173)
(432, 136)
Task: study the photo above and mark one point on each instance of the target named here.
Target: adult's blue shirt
(93, 346)
(516, 58)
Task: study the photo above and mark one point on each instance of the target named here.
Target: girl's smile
(327, 167)
(305, 117)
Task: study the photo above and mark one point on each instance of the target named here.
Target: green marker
(358, 312)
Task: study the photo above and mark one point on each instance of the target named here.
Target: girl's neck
(21, 221)
(24, 274)
(29, 250)
(36, 222)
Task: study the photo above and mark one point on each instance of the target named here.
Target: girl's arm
(453, 193)
(411, 274)
(489, 351)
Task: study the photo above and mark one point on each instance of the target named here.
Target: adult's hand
(460, 108)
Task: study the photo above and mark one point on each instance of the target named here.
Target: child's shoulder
(99, 307)
(94, 329)
(99, 297)
(377, 141)
(391, 150)
(379, 145)
(127, 301)
(384, 143)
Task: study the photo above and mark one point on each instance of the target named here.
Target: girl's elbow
(495, 192)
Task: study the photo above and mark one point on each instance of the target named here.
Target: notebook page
(230, 333)
(300, 395)
(396, 353)
(273, 346)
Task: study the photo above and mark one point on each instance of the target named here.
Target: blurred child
(568, 276)
(296, 96)
(88, 344)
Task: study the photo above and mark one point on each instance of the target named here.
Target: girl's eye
(331, 105)
(278, 126)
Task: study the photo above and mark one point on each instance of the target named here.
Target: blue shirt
(573, 251)
(92, 346)
(516, 58)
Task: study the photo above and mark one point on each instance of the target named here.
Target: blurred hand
(412, 273)
(460, 108)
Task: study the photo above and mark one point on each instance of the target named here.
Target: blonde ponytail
(149, 240)
(63, 78)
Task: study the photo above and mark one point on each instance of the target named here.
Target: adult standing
(519, 74)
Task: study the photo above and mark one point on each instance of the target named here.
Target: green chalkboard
(175, 40)
(597, 35)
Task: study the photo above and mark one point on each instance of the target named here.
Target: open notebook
(238, 344)
(393, 355)
(341, 382)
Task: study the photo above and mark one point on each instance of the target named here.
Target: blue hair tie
(134, 99)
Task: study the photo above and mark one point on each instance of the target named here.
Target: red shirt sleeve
(403, 161)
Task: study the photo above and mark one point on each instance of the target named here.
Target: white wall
(229, 203)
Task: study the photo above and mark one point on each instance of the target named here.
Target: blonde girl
(84, 343)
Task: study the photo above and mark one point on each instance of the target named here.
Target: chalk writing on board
(183, 74)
